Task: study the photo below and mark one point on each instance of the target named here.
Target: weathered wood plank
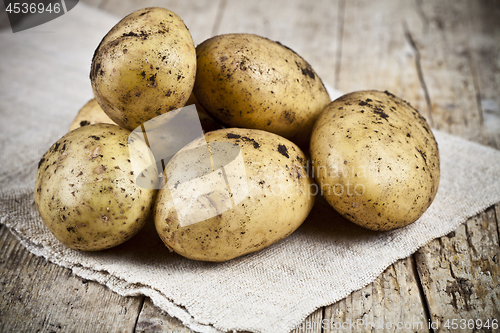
(460, 274)
(37, 296)
(441, 39)
(377, 53)
(152, 319)
(485, 48)
(390, 304)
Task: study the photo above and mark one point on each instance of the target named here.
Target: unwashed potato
(243, 192)
(91, 113)
(144, 67)
(375, 159)
(244, 80)
(86, 191)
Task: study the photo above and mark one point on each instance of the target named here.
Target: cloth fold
(44, 81)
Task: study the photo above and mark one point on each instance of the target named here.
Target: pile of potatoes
(271, 141)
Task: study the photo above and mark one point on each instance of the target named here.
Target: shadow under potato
(324, 222)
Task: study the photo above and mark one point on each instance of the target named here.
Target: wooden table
(441, 56)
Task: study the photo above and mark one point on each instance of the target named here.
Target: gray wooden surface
(443, 57)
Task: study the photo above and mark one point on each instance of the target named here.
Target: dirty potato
(244, 191)
(144, 67)
(248, 81)
(86, 191)
(375, 159)
(91, 113)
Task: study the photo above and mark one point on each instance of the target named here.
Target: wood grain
(485, 50)
(377, 53)
(37, 296)
(392, 303)
(442, 41)
(460, 274)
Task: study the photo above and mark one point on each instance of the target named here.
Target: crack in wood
(420, 73)
(469, 240)
(421, 291)
(497, 218)
(139, 310)
(322, 317)
(475, 82)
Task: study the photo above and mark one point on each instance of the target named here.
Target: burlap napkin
(44, 81)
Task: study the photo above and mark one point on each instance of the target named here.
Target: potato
(248, 81)
(207, 122)
(144, 67)
(375, 159)
(91, 113)
(86, 191)
(243, 192)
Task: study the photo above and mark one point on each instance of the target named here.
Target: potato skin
(85, 188)
(375, 159)
(91, 113)
(248, 81)
(277, 202)
(144, 66)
